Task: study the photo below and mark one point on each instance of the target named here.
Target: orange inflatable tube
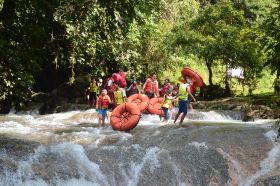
(196, 78)
(155, 106)
(141, 100)
(125, 117)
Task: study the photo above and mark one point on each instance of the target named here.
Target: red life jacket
(103, 102)
(164, 89)
(149, 86)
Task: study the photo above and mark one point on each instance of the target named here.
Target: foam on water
(198, 145)
(72, 155)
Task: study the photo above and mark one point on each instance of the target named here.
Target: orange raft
(155, 106)
(141, 100)
(197, 79)
(125, 117)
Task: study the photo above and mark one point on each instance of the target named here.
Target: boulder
(74, 93)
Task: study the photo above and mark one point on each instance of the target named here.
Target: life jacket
(166, 102)
(182, 93)
(164, 89)
(119, 98)
(93, 87)
(149, 86)
(122, 80)
(176, 102)
(134, 89)
(103, 101)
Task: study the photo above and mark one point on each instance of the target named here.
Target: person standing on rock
(150, 87)
(119, 95)
(102, 107)
(93, 90)
(183, 102)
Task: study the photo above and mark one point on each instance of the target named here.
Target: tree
(221, 35)
(271, 28)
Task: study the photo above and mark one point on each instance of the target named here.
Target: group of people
(110, 94)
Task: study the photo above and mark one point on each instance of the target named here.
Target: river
(212, 148)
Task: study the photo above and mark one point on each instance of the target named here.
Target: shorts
(102, 112)
(183, 106)
(166, 113)
(150, 94)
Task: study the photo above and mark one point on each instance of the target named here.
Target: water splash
(149, 158)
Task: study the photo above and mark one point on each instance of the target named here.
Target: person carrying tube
(192, 90)
(183, 102)
(102, 107)
(119, 95)
(150, 87)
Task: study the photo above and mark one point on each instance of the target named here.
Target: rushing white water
(70, 149)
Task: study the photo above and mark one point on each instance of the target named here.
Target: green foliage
(27, 41)
(140, 36)
(221, 35)
(271, 28)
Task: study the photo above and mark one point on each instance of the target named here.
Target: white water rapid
(212, 148)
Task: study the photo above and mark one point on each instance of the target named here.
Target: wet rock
(15, 147)
(53, 104)
(271, 181)
(75, 92)
(40, 97)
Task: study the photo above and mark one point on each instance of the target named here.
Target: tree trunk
(227, 87)
(208, 64)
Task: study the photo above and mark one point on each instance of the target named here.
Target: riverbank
(254, 107)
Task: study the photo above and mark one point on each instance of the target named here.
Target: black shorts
(150, 94)
(92, 96)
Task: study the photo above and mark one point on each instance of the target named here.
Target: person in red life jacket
(133, 89)
(150, 87)
(102, 106)
(122, 80)
(167, 86)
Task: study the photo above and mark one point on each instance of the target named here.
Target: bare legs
(101, 121)
(182, 118)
